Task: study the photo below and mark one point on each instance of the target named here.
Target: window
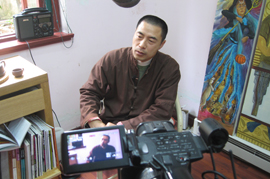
(8, 8)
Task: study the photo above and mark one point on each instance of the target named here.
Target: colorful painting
(254, 123)
(233, 41)
(253, 132)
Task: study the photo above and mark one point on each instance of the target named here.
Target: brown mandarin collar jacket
(114, 78)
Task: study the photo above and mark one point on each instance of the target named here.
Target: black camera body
(33, 23)
(156, 145)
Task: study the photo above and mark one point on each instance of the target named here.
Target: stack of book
(27, 148)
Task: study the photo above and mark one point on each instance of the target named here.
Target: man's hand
(110, 124)
(96, 123)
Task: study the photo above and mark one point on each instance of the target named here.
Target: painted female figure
(229, 57)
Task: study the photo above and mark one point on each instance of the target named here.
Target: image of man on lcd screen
(103, 151)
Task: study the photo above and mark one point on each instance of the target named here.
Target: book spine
(51, 149)
(10, 164)
(54, 149)
(18, 163)
(35, 162)
(32, 157)
(42, 154)
(43, 151)
(23, 176)
(0, 166)
(5, 165)
(27, 159)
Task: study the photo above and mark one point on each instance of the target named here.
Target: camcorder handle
(35, 9)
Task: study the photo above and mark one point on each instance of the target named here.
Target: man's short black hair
(107, 136)
(154, 20)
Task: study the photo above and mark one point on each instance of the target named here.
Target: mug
(17, 72)
(2, 68)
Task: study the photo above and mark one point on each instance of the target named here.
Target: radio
(33, 23)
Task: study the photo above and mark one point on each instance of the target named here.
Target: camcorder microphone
(154, 150)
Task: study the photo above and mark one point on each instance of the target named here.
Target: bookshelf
(17, 99)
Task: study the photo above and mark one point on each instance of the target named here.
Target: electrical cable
(56, 117)
(215, 172)
(36, 65)
(60, 28)
(167, 172)
(214, 167)
(232, 161)
(213, 162)
(65, 16)
(30, 52)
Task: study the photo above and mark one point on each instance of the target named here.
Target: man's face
(104, 141)
(146, 41)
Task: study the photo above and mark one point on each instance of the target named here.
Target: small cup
(18, 72)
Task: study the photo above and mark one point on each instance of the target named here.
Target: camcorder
(155, 150)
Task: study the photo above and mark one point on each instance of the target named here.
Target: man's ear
(161, 45)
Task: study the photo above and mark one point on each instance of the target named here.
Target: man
(137, 83)
(103, 151)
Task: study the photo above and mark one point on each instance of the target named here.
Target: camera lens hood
(213, 134)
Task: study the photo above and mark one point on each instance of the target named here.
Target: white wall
(101, 25)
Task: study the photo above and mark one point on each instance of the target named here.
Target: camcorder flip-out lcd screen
(93, 149)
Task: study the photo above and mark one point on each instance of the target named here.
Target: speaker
(25, 25)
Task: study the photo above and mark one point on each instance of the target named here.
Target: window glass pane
(32, 3)
(7, 9)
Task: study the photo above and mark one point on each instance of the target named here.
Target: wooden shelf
(50, 174)
(27, 95)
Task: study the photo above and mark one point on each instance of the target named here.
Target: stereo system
(33, 23)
